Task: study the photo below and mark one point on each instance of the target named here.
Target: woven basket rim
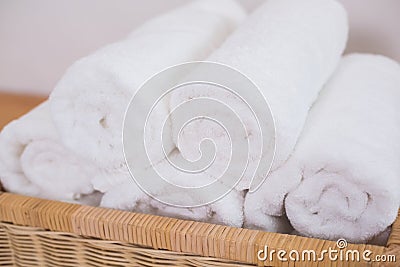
(161, 233)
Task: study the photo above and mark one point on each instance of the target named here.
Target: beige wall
(40, 39)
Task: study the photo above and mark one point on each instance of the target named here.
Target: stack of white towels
(336, 172)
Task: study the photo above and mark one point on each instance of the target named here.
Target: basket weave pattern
(38, 232)
(36, 247)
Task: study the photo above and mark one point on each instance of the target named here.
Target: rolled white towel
(128, 196)
(345, 170)
(89, 102)
(288, 49)
(33, 162)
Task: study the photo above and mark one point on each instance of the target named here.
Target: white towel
(128, 196)
(89, 102)
(287, 48)
(33, 162)
(345, 170)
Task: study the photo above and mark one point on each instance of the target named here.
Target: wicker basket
(38, 232)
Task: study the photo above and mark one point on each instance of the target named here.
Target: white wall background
(40, 39)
